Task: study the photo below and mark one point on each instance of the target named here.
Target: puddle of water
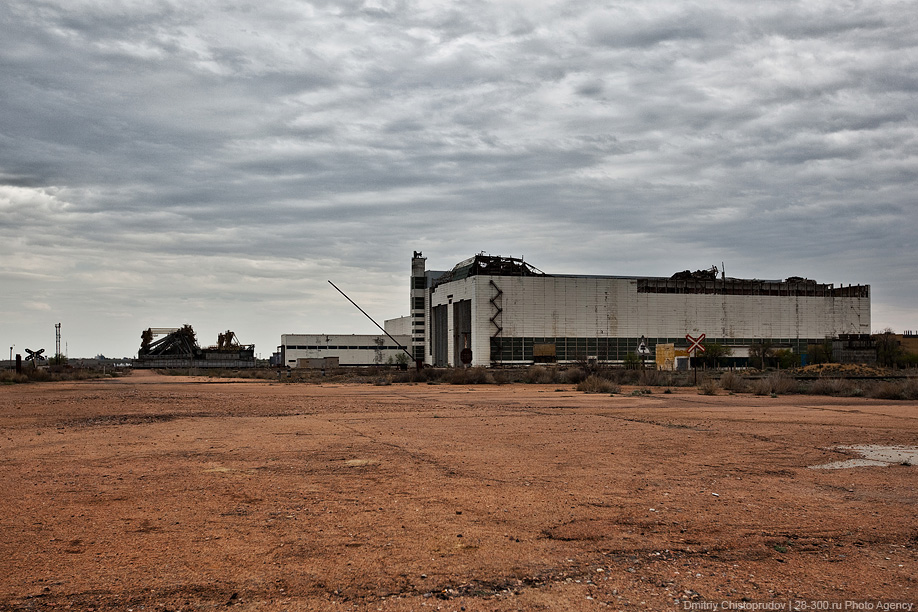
(873, 455)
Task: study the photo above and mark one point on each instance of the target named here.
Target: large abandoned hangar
(492, 310)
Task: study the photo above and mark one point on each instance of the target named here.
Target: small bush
(428, 375)
(540, 375)
(654, 378)
(29, 374)
(708, 387)
(838, 387)
(732, 382)
(597, 384)
(470, 376)
(681, 379)
(784, 384)
(899, 390)
(625, 377)
(575, 376)
(910, 389)
(8, 377)
(480, 376)
(402, 377)
(774, 385)
(37, 375)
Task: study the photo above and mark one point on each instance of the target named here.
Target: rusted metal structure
(177, 347)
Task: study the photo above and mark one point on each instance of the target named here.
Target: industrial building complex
(491, 310)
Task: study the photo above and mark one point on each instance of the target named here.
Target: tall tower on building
(418, 305)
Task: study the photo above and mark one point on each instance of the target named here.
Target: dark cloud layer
(168, 162)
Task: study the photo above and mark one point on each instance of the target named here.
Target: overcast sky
(215, 163)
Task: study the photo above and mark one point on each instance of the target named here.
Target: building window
(417, 303)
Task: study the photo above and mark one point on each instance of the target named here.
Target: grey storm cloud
(166, 162)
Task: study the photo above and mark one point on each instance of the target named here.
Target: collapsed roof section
(710, 274)
(490, 265)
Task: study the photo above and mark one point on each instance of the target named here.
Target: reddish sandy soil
(163, 493)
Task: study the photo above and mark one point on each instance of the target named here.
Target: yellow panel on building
(666, 356)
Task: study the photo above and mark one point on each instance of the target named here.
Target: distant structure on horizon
(491, 310)
(177, 347)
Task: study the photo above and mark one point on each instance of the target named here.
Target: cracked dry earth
(164, 493)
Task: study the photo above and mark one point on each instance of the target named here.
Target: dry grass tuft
(708, 386)
(838, 387)
(775, 384)
(540, 375)
(899, 390)
(470, 376)
(730, 381)
(597, 384)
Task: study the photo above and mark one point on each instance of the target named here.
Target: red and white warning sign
(695, 343)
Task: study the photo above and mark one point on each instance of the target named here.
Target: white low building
(302, 350)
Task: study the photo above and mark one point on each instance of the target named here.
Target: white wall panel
(611, 307)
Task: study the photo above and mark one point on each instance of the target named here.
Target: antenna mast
(371, 319)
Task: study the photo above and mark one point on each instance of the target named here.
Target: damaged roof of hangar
(491, 265)
(701, 281)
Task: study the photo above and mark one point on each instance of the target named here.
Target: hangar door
(462, 329)
(439, 333)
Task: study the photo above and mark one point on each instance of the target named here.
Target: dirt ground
(163, 493)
